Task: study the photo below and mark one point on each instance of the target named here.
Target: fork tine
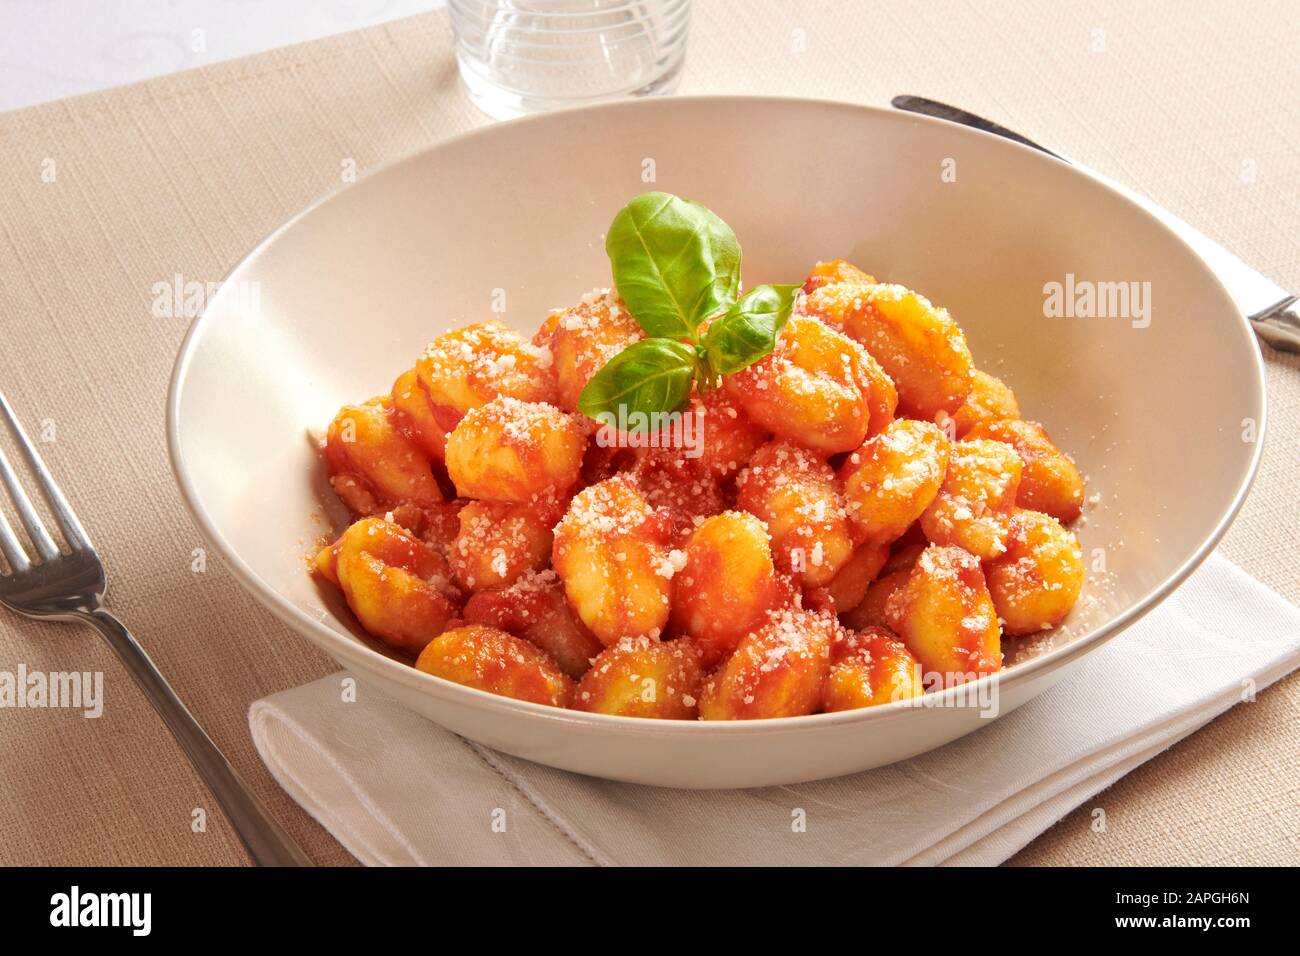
(45, 545)
(12, 550)
(63, 513)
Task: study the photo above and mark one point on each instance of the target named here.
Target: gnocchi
(796, 494)
(398, 586)
(508, 450)
(535, 608)
(1050, 481)
(640, 677)
(611, 552)
(817, 387)
(945, 616)
(582, 339)
(1036, 582)
(488, 659)
(869, 668)
(469, 367)
(727, 583)
(372, 465)
(496, 542)
(776, 671)
(894, 477)
(864, 518)
(974, 503)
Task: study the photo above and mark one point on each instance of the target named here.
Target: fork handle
(267, 843)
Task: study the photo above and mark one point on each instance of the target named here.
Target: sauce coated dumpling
(776, 671)
(415, 416)
(727, 585)
(372, 464)
(508, 450)
(469, 367)
(730, 436)
(491, 660)
(849, 587)
(836, 270)
(990, 400)
(945, 616)
(974, 504)
(396, 584)
(640, 677)
(611, 552)
(1050, 481)
(1037, 581)
(582, 339)
(869, 668)
(498, 541)
(894, 477)
(535, 608)
(795, 493)
(919, 345)
(818, 388)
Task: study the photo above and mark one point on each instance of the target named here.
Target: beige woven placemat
(103, 196)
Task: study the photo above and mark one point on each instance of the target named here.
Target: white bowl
(333, 305)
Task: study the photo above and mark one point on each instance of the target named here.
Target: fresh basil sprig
(653, 375)
(675, 264)
(748, 331)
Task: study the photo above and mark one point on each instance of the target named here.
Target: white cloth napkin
(394, 788)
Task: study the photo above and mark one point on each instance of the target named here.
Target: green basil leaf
(675, 263)
(749, 329)
(653, 375)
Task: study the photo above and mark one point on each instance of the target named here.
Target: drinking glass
(522, 56)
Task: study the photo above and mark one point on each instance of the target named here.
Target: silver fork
(60, 585)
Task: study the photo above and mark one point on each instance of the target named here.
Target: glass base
(501, 103)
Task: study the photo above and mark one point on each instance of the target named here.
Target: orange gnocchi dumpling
(1050, 481)
(1037, 581)
(373, 465)
(776, 671)
(397, 585)
(730, 436)
(468, 367)
(640, 677)
(974, 504)
(508, 450)
(919, 345)
(837, 270)
(415, 417)
(990, 400)
(727, 583)
(893, 574)
(849, 587)
(869, 668)
(871, 610)
(492, 660)
(945, 616)
(817, 387)
(583, 338)
(795, 494)
(498, 541)
(894, 477)
(611, 552)
(535, 608)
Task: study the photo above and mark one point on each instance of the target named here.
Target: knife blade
(1261, 300)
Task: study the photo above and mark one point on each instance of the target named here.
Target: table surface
(103, 196)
